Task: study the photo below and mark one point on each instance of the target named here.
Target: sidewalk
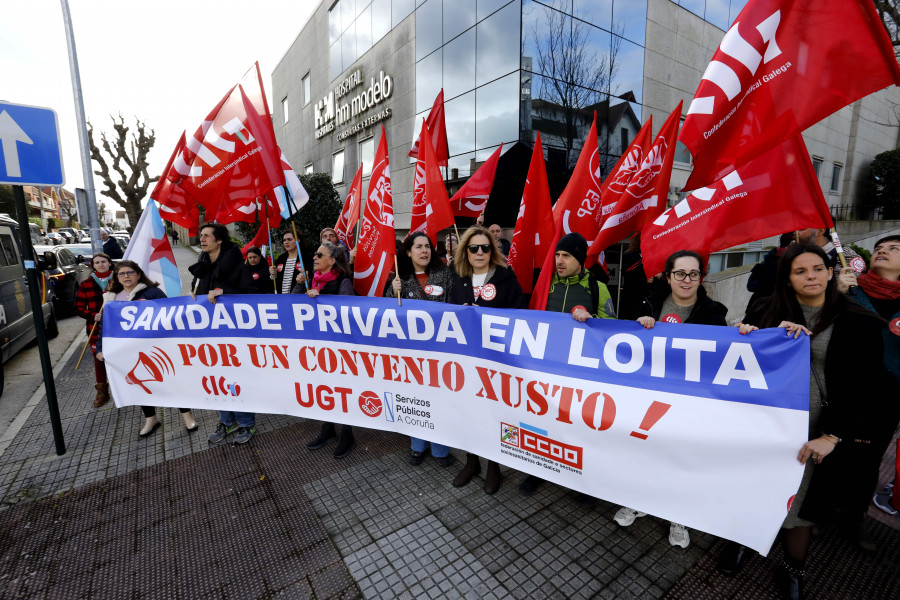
(171, 517)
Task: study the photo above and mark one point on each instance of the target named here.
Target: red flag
(777, 192)
(472, 197)
(578, 208)
(225, 166)
(437, 125)
(628, 164)
(260, 239)
(175, 204)
(431, 207)
(350, 212)
(645, 196)
(534, 225)
(783, 66)
(375, 255)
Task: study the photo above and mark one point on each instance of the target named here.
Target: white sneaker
(626, 516)
(679, 535)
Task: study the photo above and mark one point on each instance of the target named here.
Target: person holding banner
(286, 272)
(256, 273)
(845, 339)
(678, 298)
(422, 277)
(218, 271)
(484, 280)
(88, 301)
(130, 283)
(331, 275)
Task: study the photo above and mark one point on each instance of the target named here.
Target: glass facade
(511, 68)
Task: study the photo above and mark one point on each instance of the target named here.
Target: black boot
(531, 483)
(472, 468)
(789, 579)
(347, 443)
(732, 559)
(492, 480)
(859, 534)
(326, 435)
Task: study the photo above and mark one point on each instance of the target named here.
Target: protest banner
(695, 424)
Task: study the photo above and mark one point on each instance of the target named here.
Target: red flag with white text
(224, 166)
(783, 66)
(175, 204)
(472, 198)
(534, 225)
(437, 126)
(376, 249)
(431, 207)
(645, 196)
(350, 211)
(771, 194)
(628, 164)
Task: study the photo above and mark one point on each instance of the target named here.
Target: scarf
(876, 286)
(320, 279)
(101, 280)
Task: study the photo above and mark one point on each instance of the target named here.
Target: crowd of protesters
(853, 324)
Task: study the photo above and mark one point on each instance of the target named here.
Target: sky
(166, 62)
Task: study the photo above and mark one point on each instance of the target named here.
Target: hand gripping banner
(695, 424)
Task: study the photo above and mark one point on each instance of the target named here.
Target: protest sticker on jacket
(658, 420)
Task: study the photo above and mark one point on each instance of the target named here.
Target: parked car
(82, 252)
(122, 239)
(66, 274)
(54, 238)
(71, 233)
(16, 321)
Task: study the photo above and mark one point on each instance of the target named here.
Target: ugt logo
(150, 366)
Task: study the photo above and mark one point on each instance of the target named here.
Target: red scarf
(320, 279)
(876, 286)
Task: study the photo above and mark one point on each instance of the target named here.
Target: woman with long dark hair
(288, 267)
(422, 276)
(484, 280)
(844, 339)
(258, 280)
(331, 275)
(88, 302)
(678, 297)
(130, 283)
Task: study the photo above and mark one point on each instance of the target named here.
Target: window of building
(682, 154)
(836, 178)
(284, 108)
(337, 167)
(623, 133)
(304, 87)
(308, 169)
(367, 155)
(817, 165)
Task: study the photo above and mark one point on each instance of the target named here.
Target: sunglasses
(474, 248)
(321, 254)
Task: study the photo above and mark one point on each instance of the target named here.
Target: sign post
(29, 138)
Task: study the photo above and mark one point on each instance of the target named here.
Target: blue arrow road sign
(29, 146)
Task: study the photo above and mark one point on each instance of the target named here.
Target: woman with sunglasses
(484, 280)
(88, 300)
(845, 420)
(422, 277)
(331, 276)
(130, 283)
(678, 297)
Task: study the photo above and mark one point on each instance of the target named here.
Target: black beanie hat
(574, 244)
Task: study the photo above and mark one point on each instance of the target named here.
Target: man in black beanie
(574, 290)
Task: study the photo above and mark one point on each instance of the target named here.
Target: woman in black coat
(845, 339)
(256, 273)
(484, 280)
(288, 269)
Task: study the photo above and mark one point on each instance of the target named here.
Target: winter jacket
(140, 292)
(580, 290)
(88, 302)
(257, 279)
(225, 273)
(506, 292)
(112, 248)
(342, 286)
(279, 267)
(891, 341)
(437, 288)
(705, 312)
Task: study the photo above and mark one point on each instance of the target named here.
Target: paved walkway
(170, 517)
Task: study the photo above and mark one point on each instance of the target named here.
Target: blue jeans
(437, 450)
(243, 419)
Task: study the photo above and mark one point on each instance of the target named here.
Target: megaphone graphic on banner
(150, 367)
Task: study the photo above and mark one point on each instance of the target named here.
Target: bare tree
(573, 72)
(128, 155)
(889, 12)
(67, 210)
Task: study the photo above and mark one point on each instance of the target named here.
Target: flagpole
(269, 231)
(397, 271)
(293, 209)
(88, 342)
